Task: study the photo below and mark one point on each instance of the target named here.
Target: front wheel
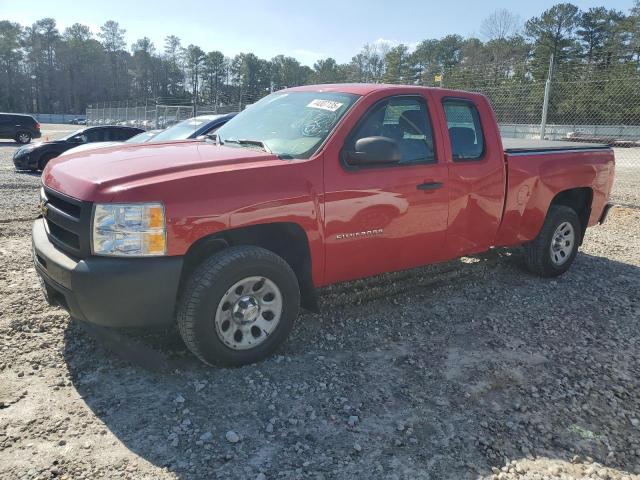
(555, 248)
(238, 306)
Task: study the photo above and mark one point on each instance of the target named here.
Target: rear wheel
(23, 137)
(556, 246)
(238, 306)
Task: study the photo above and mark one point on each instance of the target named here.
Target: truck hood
(99, 174)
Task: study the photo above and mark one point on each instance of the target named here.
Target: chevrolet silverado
(309, 186)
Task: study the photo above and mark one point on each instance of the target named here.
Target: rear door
(392, 217)
(476, 173)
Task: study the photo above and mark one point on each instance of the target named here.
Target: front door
(391, 217)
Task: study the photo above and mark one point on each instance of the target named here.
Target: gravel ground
(468, 369)
(626, 190)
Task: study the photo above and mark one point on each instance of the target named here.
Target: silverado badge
(367, 233)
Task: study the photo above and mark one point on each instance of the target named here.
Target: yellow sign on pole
(438, 78)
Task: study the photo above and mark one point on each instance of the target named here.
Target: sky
(306, 30)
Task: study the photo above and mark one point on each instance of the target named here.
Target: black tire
(538, 253)
(205, 289)
(44, 159)
(23, 137)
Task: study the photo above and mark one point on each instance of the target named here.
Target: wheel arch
(580, 200)
(286, 239)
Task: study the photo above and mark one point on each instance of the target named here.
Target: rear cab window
(465, 129)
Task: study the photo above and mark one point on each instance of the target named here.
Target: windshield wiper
(243, 141)
(213, 137)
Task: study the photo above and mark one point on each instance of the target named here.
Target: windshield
(290, 124)
(142, 137)
(184, 129)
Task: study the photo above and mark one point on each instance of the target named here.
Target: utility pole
(195, 93)
(545, 104)
(155, 115)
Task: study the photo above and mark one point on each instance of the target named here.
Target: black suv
(22, 128)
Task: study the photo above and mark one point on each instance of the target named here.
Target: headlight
(23, 150)
(129, 230)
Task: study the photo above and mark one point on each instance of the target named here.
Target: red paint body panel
(206, 189)
(476, 188)
(534, 180)
(414, 222)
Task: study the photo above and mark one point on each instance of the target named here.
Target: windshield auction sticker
(325, 104)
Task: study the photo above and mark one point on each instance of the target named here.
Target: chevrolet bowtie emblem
(43, 208)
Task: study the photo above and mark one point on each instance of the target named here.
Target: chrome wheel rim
(562, 243)
(23, 137)
(248, 313)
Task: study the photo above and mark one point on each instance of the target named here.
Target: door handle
(430, 186)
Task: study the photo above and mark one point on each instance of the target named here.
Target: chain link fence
(149, 117)
(579, 111)
(162, 113)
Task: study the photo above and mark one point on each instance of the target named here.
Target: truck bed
(521, 146)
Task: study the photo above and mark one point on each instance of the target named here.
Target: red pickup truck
(307, 187)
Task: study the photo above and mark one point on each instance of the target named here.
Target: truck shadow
(447, 380)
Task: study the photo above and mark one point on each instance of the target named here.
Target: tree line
(45, 70)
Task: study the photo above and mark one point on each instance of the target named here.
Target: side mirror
(78, 139)
(374, 151)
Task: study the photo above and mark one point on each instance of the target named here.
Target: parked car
(36, 156)
(612, 141)
(140, 138)
(21, 128)
(78, 121)
(192, 128)
(228, 237)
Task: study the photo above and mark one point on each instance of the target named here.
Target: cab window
(404, 120)
(465, 130)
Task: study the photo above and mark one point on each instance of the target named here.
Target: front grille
(64, 205)
(68, 222)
